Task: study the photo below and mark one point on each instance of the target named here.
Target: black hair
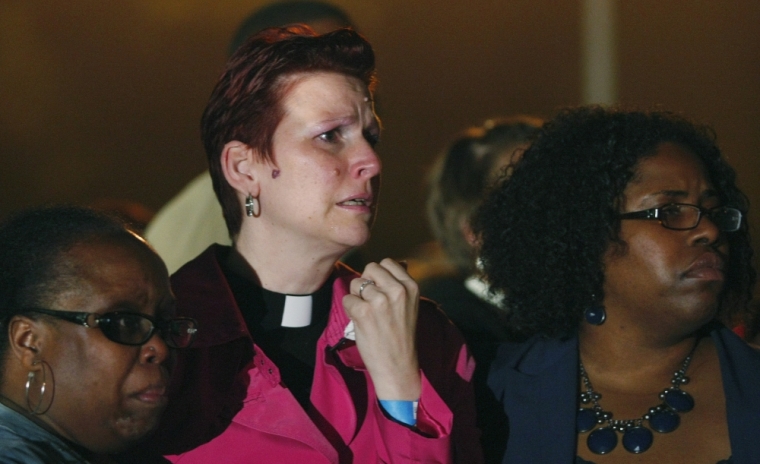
(544, 231)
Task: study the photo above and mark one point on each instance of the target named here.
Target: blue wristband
(403, 411)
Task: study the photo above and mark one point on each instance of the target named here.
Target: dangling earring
(595, 314)
(37, 410)
(252, 206)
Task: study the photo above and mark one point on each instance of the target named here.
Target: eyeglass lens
(128, 328)
(134, 329)
(727, 219)
(179, 333)
(688, 216)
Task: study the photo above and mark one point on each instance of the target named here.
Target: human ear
(468, 233)
(26, 338)
(239, 163)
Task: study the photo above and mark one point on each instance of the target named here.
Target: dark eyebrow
(127, 305)
(673, 193)
(678, 194)
(666, 196)
(669, 194)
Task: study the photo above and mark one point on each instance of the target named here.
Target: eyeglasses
(681, 216)
(131, 328)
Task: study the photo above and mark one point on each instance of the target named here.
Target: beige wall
(102, 99)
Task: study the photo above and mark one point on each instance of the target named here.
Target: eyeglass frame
(81, 318)
(654, 213)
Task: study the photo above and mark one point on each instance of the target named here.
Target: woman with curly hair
(620, 241)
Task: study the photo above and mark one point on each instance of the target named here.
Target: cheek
(96, 368)
(314, 171)
(326, 168)
(642, 258)
(654, 258)
(90, 387)
(323, 180)
(108, 375)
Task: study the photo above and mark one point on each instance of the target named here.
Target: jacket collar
(740, 369)
(537, 383)
(207, 298)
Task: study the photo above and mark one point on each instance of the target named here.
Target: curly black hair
(544, 231)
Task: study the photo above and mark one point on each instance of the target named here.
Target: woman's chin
(132, 431)
(353, 237)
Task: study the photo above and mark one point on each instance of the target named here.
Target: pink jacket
(228, 405)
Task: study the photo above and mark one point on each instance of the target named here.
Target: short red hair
(246, 104)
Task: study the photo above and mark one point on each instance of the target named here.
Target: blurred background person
(620, 242)
(192, 220)
(135, 216)
(457, 184)
(87, 321)
(303, 359)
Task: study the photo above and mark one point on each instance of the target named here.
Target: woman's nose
(366, 163)
(154, 351)
(706, 232)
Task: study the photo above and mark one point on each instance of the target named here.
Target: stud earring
(595, 314)
(252, 206)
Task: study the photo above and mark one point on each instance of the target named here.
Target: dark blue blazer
(537, 383)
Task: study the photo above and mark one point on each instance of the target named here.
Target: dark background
(102, 99)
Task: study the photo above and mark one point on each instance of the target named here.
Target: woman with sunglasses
(86, 325)
(621, 243)
(303, 360)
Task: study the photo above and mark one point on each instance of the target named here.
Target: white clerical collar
(297, 311)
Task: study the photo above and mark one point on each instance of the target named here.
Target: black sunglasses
(131, 328)
(682, 216)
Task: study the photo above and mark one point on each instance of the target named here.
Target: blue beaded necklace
(637, 437)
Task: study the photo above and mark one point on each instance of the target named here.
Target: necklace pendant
(602, 441)
(663, 419)
(637, 439)
(585, 420)
(678, 399)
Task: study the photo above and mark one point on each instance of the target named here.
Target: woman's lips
(708, 266)
(361, 203)
(155, 394)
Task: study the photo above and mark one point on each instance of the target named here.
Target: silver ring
(364, 284)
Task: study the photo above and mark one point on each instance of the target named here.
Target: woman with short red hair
(302, 359)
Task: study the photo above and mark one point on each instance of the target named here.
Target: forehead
(322, 88)
(111, 268)
(671, 167)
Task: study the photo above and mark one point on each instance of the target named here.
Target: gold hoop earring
(30, 377)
